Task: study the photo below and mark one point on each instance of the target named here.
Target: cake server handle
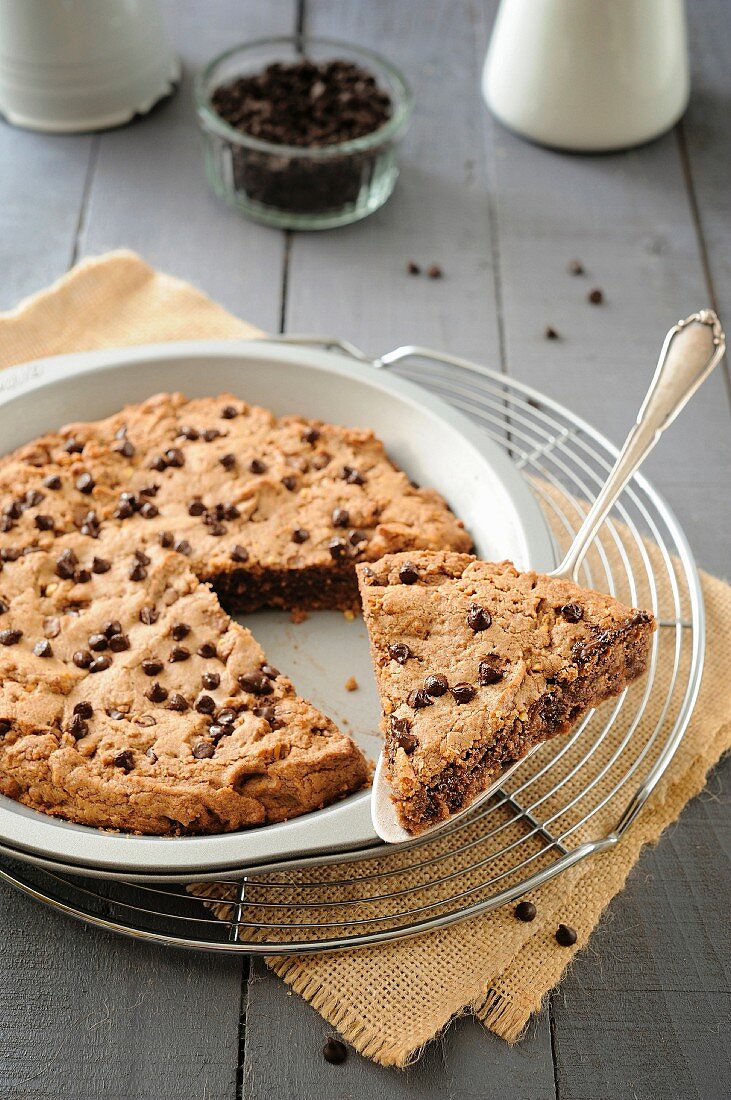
(690, 351)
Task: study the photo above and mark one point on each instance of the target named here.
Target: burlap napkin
(390, 1000)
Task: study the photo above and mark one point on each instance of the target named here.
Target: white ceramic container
(588, 75)
(74, 65)
(433, 442)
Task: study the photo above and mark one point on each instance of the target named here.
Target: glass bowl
(293, 186)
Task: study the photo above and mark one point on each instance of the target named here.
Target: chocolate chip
(157, 693)
(566, 935)
(572, 612)
(196, 507)
(124, 760)
(100, 664)
(338, 548)
(256, 466)
(256, 683)
(550, 333)
(82, 576)
(65, 568)
(10, 637)
(97, 642)
(178, 702)
(239, 554)
(400, 731)
(82, 658)
(418, 699)
(310, 435)
(228, 461)
(463, 692)
(525, 911)
(321, 460)
(137, 572)
(596, 297)
(334, 1052)
(179, 631)
(53, 481)
(77, 727)
(210, 680)
(111, 627)
(478, 618)
(43, 648)
(174, 457)
(73, 447)
(149, 615)
(489, 671)
(178, 653)
(210, 434)
(44, 523)
(270, 671)
(205, 704)
(400, 652)
(229, 412)
(413, 268)
(408, 573)
(182, 546)
(151, 666)
(149, 510)
(166, 539)
(352, 476)
(33, 498)
(226, 717)
(125, 448)
(118, 643)
(10, 553)
(84, 709)
(575, 267)
(299, 535)
(100, 565)
(207, 649)
(289, 482)
(4, 608)
(203, 750)
(436, 685)
(85, 483)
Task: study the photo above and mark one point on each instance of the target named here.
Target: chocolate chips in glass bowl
(302, 133)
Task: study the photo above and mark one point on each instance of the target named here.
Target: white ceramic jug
(588, 75)
(68, 65)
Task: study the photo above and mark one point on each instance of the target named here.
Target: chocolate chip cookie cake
(476, 663)
(128, 697)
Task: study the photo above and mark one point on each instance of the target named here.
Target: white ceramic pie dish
(435, 444)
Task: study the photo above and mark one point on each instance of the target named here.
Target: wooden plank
(643, 1012)
(85, 1015)
(627, 218)
(353, 282)
(150, 193)
(41, 193)
(284, 1041)
(705, 142)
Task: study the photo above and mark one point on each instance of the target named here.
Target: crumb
(550, 333)
(298, 615)
(349, 614)
(434, 272)
(351, 684)
(575, 267)
(596, 296)
(413, 268)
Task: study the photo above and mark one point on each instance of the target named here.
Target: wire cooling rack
(574, 797)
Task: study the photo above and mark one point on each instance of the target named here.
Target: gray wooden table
(645, 1010)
